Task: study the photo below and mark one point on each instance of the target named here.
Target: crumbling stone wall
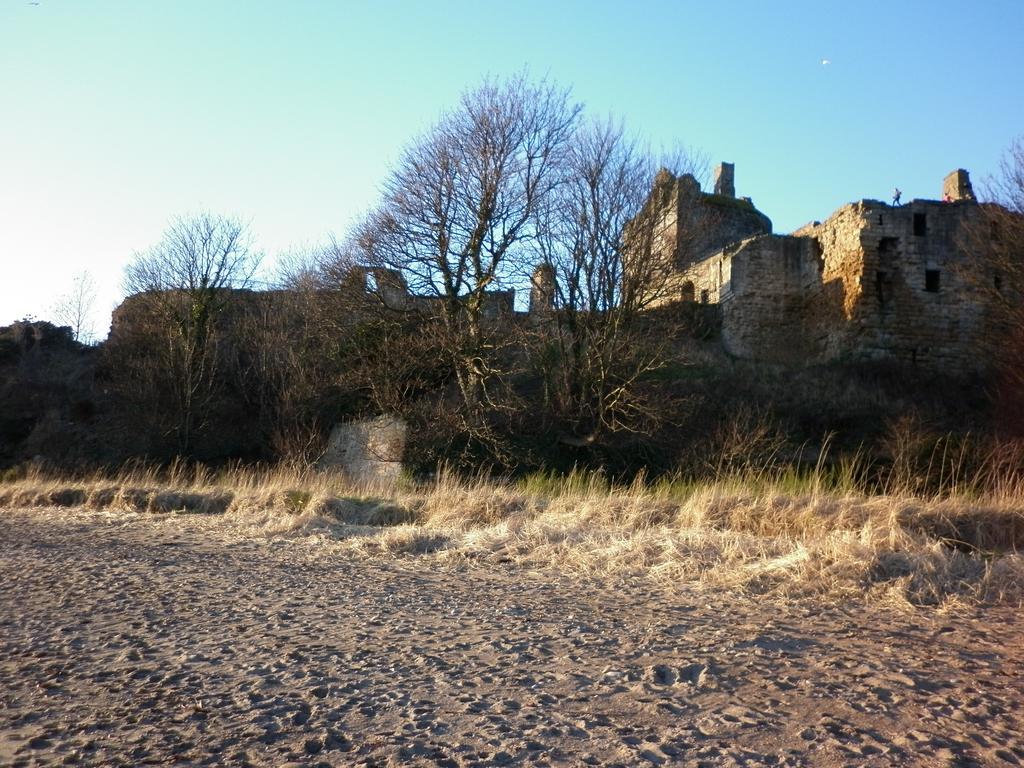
(542, 291)
(872, 281)
(706, 282)
(723, 221)
(909, 292)
(957, 186)
(770, 305)
(725, 180)
(681, 227)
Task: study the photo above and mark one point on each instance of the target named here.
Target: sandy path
(126, 641)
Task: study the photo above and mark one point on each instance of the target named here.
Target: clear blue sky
(117, 115)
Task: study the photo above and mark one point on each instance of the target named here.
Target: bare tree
(184, 282)
(1003, 221)
(75, 308)
(600, 265)
(994, 236)
(461, 204)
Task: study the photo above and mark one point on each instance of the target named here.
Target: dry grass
(777, 535)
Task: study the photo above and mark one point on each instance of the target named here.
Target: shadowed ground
(132, 639)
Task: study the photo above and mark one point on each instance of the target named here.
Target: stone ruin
(725, 180)
(872, 281)
(542, 291)
(368, 450)
(391, 289)
(957, 186)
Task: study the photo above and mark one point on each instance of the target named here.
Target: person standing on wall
(896, 196)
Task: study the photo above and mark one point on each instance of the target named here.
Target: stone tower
(725, 180)
(957, 186)
(542, 290)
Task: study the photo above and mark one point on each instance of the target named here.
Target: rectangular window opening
(705, 297)
(887, 248)
(881, 286)
(997, 281)
(920, 225)
(931, 280)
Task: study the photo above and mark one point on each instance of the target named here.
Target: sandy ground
(159, 639)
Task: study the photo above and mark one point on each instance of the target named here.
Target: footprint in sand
(696, 675)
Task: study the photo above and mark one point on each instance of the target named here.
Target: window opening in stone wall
(887, 248)
(931, 280)
(705, 297)
(371, 282)
(882, 286)
(687, 291)
(879, 219)
(920, 225)
(997, 281)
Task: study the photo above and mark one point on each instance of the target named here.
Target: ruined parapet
(387, 285)
(957, 186)
(393, 289)
(725, 180)
(681, 226)
(542, 290)
(369, 450)
(498, 305)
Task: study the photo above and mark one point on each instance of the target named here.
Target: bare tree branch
(459, 208)
(75, 308)
(594, 240)
(185, 281)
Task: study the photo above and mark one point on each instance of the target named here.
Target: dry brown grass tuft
(772, 536)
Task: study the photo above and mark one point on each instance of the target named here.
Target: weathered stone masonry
(873, 281)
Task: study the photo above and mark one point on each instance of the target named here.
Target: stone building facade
(872, 281)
